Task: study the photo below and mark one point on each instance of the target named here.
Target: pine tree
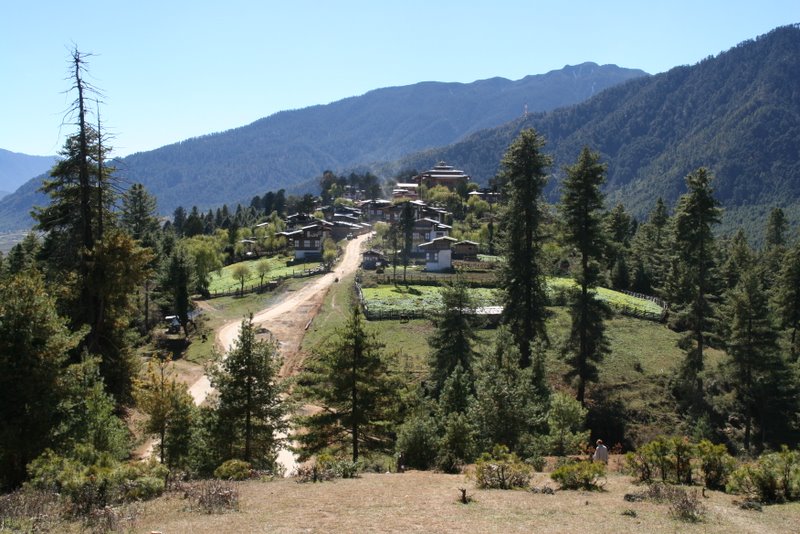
(753, 350)
(350, 381)
(453, 340)
(522, 276)
(581, 205)
(169, 409)
(34, 342)
(510, 403)
(250, 398)
(407, 231)
(693, 277)
(787, 298)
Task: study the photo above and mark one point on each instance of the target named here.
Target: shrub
(99, 483)
(416, 440)
(29, 510)
(579, 475)
(501, 470)
(686, 506)
(537, 462)
(233, 470)
(668, 459)
(715, 464)
(774, 477)
(327, 467)
(681, 452)
(213, 496)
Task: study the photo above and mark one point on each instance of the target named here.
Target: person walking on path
(601, 452)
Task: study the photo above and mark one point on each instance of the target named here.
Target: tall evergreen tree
(97, 266)
(178, 281)
(581, 206)
(407, 231)
(250, 398)
(787, 298)
(522, 277)
(350, 381)
(776, 229)
(693, 277)
(453, 340)
(739, 260)
(755, 361)
(138, 215)
(510, 403)
(34, 342)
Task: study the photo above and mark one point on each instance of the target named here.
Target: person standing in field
(600, 452)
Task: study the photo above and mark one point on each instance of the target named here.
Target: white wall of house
(438, 260)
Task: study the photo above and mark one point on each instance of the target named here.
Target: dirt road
(287, 321)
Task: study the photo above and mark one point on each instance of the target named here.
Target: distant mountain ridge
(17, 168)
(292, 147)
(737, 113)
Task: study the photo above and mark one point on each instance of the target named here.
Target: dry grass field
(428, 502)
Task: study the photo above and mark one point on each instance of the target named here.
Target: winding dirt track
(287, 320)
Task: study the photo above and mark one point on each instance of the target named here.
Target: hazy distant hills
(737, 113)
(292, 147)
(16, 169)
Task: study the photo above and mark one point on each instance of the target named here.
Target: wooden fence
(383, 315)
(270, 285)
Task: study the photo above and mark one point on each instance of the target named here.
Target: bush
(668, 459)
(501, 470)
(213, 496)
(537, 462)
(686, 506)
(233, 470)
(327, 467)
(579, 475)
(715, 464)
(416, 440)
(98, 483)
(773, 478)
(683, 505)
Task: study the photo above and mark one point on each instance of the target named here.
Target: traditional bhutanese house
(485, 194)
(342, 229)
(442, 174)
(376, 210)
(371, 259)
(427, 230)
(299, 219)
(406, 190)
(438, 254)
(432, 212)
(307, 241)
(465, 250)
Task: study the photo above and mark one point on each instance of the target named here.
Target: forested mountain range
(292, 147)
(737, 114)
(16, 169)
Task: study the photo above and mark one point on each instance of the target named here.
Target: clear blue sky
(175, 69)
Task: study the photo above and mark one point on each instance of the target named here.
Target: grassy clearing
(224, 280)
(427, 502)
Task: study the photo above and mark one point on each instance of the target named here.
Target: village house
(406, 190)
(465, 250)
(376, 210)
(372, 259)
(428, 230)
(438, 255)
(307, 241)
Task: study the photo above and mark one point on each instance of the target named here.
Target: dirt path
(287, 320)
